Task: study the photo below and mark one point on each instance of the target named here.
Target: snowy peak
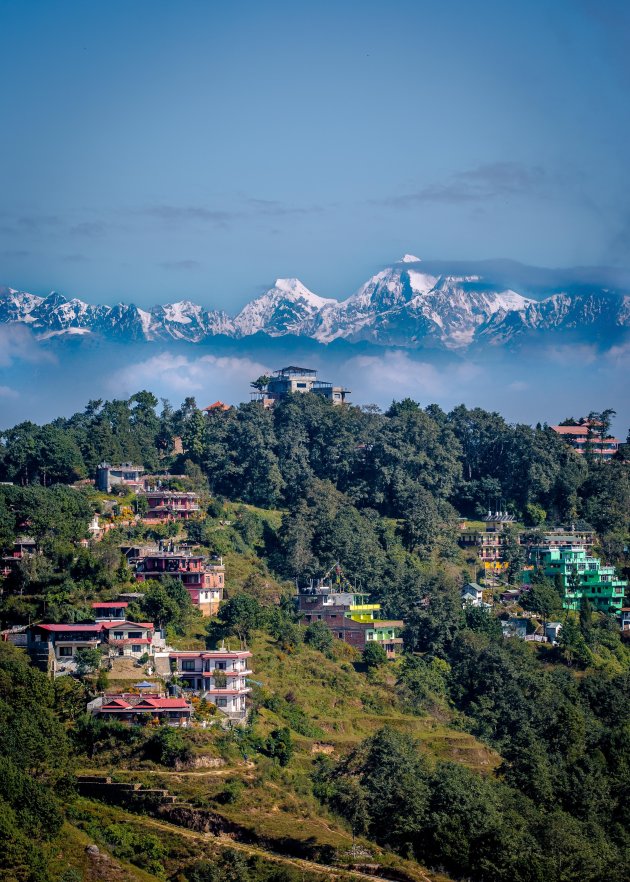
(404, 304)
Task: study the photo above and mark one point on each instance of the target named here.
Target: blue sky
(156, 150)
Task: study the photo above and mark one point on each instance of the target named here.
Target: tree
(542, 598)
(88, 660)
(374, 655)
(241, 615)
(279, 745)
(319, 636)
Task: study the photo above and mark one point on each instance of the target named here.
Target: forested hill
(489, 759)
(424, 466)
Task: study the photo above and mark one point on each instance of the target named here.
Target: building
(552, 631)
(294, 379)
(472, 594)
(514, 627)
(574, 536)
(170, 505)
(108, 476)
(349, 615)
(219, 676)
(109, 612)
(22, 546)
(133, 708)
(579, 575)
(204, 579)
(624, 618)
(489, 542)
(579, 438)
(53, 647)
(217, 407)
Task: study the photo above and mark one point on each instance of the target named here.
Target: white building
(219, 676)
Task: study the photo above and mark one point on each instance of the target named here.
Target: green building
(580, 576)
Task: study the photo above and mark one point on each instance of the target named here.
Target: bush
(319, 636)
(167, 746)
(374, 655)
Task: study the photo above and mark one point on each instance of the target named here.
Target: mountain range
(406, 304)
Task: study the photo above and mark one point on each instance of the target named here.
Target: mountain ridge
(403, 304)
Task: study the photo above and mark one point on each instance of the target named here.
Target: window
(65, 651)
(188, 664)
(135, 635)
(221, 665)
(135, 647)
(221, 702)
(340, 635)
(301, 385)
(118, 635)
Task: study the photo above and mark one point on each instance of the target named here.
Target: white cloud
(215, 377)
(8, 392)
(18, 342)
(397, 375)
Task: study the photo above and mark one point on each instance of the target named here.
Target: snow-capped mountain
(404, 304)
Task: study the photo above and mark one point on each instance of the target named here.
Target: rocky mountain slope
(402, 305)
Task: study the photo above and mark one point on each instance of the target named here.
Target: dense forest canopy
(393, 462)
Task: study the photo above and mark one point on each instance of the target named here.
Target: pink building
(203, 579)
(578, 438)
(170, 505)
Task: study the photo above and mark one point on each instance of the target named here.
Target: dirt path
(255, 851)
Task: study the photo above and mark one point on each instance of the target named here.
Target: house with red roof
(133, 708)
(53, 647)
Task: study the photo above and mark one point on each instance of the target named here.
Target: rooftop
(294, 371)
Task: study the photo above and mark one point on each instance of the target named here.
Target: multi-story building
(292, 379)
(107, 476)
(204, 579)
(580, 576)
(53, 647)
(491, 541)
(170, 505)
(219, 676)
(579, 437)
(349, 615)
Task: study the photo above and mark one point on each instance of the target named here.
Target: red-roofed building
(53, 647)
(170, 505)
(132, 708)
(217, 406)
(578, 437)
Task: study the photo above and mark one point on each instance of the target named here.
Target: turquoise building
(580, 576)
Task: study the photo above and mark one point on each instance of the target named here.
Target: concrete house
(295, 379)
(349, 615)
(219, 676)
(472, 594)
(203, 578)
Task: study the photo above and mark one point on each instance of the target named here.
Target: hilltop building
(219, 676)
(348, 614)
(204, 579)
(585, 434)
(580, 576)
(294, 379)
(108, 476)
